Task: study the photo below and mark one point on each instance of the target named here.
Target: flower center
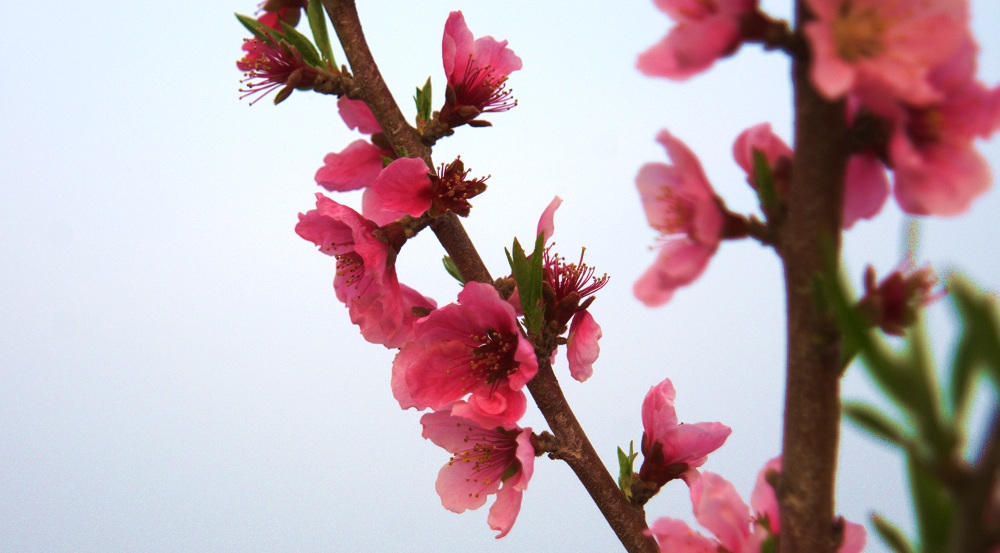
(451, 191)
(479, 88)
(857, 33)
(924, 125)
(493, 359)
(491, 453)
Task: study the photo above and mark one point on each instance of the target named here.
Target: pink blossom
(706, 30)
(937, 170)
(681, 205)
(866, 186)
(405, 187)
(486, 459)
(892, 304)
(670, 450)
(360, 163)
(889, 46)
(366, 278)
(778, 155)
(473, 348)
(718, 507)
(273, 64)
(477, 71)
(568, 292)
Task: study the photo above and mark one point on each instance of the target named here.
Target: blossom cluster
(905, 72)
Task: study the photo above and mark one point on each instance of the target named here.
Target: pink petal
(690, 49)
(495, 54)
(456, 46)
(866, 188)
(504, 511)
(855, 538)
(402, 188)
(675, 536)
(718, 507)
(761, 138)
(582, 348)
(658, 413)
(546, 223)
(357, 166)
(692, 442)
(763, 500)
(945, 182)
(358, 115)
(679, 263)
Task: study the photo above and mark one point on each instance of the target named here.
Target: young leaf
(423, 100)
(933, 506)
(302, 44)
(626, 465)
(891, 535)
(762, 175)
(317, 23)
(258, 29)
(875, 422)
(528, 276)
(452, 269)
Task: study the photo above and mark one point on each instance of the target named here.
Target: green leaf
(626, 464)
(981, 322)
(317, 23)
(764, 178)
(528, 276)
(423, 100)
(933, 507)
(452, 269)
(301, 43)
(258, 29)
(891, 535)
(875, 422)
(926, 391)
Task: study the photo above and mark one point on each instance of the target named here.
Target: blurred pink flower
(477, 71)
(888, 45)
(893, 303)
(718, 507)
(706, 30)
(473, 348)
(866, 185)
(486, 459)
(366, 277)
(937, 170)
(669, 449)
(681, 205)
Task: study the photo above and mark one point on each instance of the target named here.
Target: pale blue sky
(176, 373)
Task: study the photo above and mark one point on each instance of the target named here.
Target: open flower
(405, 187)
(366, 276)
(937, 170)
(477, 71)
(358, 165)
(471, 348)
(706, 30)
(486, 459)
(669, 449)
(718, 507)
(681, 205)
(889, 46)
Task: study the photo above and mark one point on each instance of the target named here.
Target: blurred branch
(812, 391)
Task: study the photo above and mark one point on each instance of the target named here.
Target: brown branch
(627, 521)
(812, 391)
(404, 139)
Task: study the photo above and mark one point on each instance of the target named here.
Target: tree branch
(812, 390)
(627, 521)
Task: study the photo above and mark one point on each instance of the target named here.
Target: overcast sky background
(176, 373)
